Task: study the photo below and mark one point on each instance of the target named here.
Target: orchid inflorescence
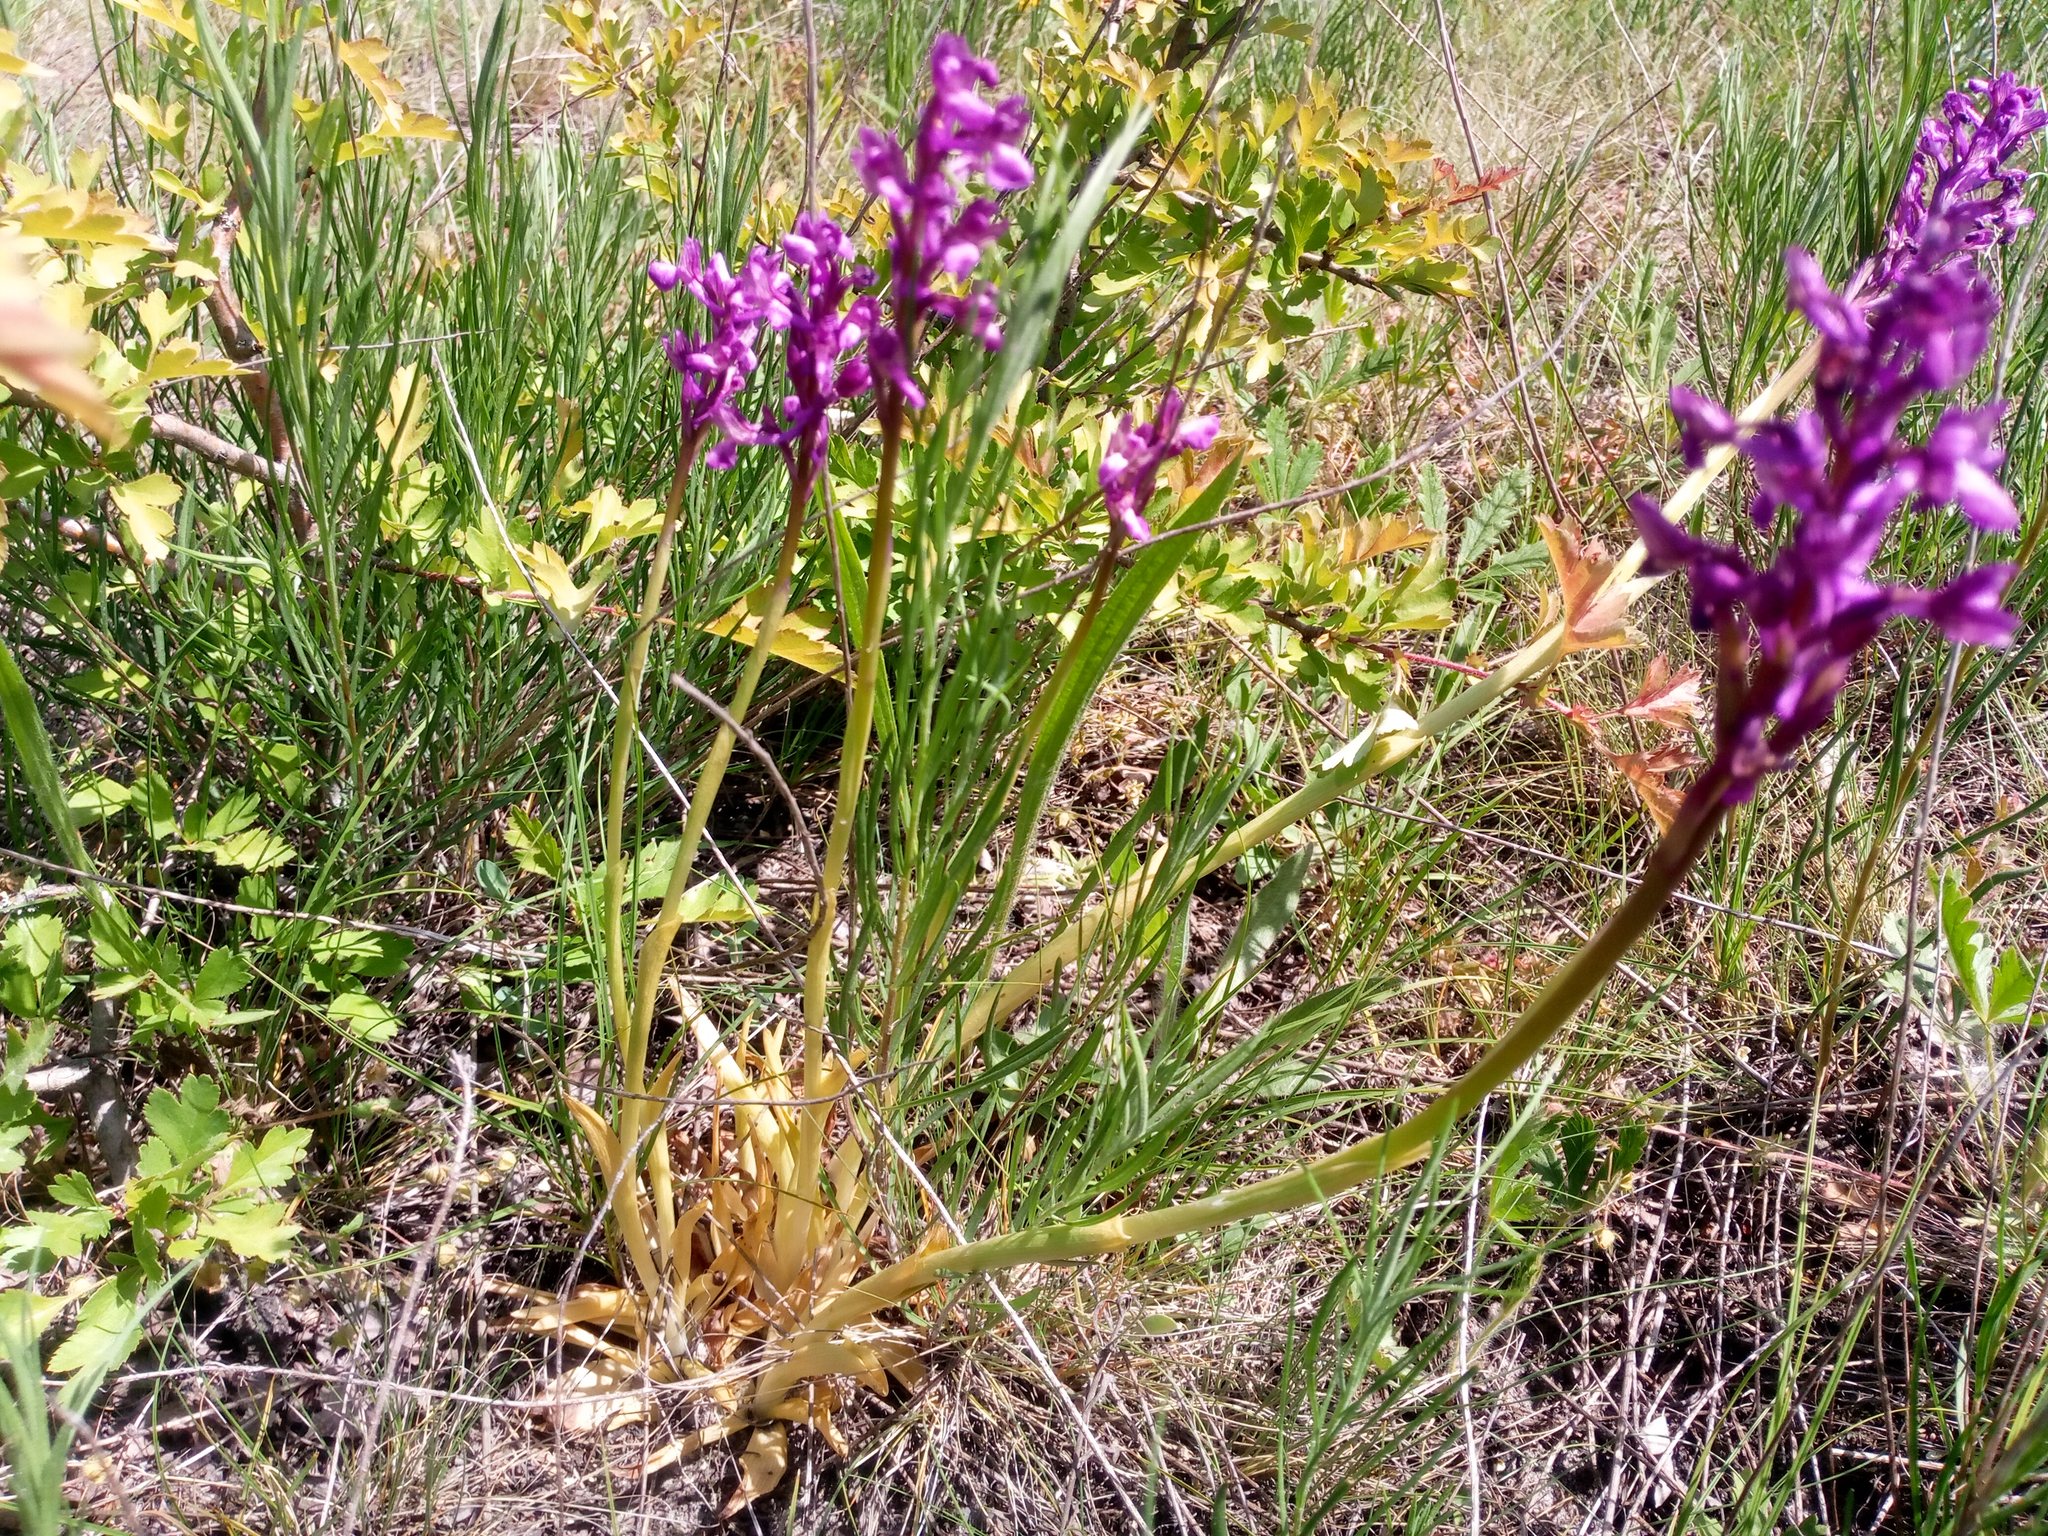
(1962, 176)
(1915, 327)
(837, 343)
(715, 366)
(936, 243)
(1132, 459)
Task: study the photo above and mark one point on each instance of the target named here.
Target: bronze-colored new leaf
(1594, 604)
(1667, 697)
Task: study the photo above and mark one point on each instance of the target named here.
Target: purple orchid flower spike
(1962, 192)
(715, 364)
(936, 242)
(829, 329)
(1790, 629)
(1134, 455)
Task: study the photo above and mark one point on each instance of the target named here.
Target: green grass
(1323, 1371)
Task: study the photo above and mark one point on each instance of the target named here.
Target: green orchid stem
(1374, 1157)
(625, 735)
(639, 1109)
(668, 921)
(793, 1226)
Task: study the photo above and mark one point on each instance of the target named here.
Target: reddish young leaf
(1667, 697)
(1595, 610)
(1650, 774)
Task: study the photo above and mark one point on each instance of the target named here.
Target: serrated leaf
(1422, 598)
(145, 505)
(805, 636)
(1591, 605)
(223, 975)
(190, 1125)
(255, 849)
(1578, 1143)
(1491, 516)
(1959, 931)
(1649, 774)
(716, 900)
(109, 1326)
(181, 358)
(1430, 500)
(534, 848)
(46, 1236)
(544, 573)
(166, 125)
(2014, 986)
(261, 1231)
(1667, 697)
(612, 519)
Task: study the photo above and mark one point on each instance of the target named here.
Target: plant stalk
(793, 1225)
(1374, 1157)
(635, 1113)
(625, 735)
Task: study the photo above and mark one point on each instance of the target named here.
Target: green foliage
(198, 1185)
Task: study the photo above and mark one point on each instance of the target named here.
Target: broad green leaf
(716, 900)
(32, 979)
(647, 876)
(269, 1163)
(1267, 916)
(363, 1016)
(20, 471)
(237, 811)
(108, 1328)
(151, 796)
(335, 954)
(96, 798)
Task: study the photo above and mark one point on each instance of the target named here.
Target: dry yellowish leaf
(44, 356)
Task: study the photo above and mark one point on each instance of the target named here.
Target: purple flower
(1790, 629)
(1132, 459)
(1962, 192)
(715, 364)
(936, 243)
(826, 358)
